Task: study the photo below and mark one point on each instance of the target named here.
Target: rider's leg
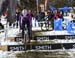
(23, 27)
(29, 30)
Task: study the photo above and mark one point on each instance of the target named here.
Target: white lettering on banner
(14, 48)
(19, 39)
(46, 47)
(42, 38)
(20, 48)
(69, 37)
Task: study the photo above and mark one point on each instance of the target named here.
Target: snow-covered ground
(6, 54)
(10, 32)
(56, 53)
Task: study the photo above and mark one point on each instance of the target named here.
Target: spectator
(3, 21)
(17, 17)
(41, 15)
(51, 18)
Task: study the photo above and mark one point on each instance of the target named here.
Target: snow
(6, 54)
(10, 43)
(64, 32)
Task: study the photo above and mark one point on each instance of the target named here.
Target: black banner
(47, 47)
(41, 47)
(54, 46)
(52, 37)
(69, 45)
